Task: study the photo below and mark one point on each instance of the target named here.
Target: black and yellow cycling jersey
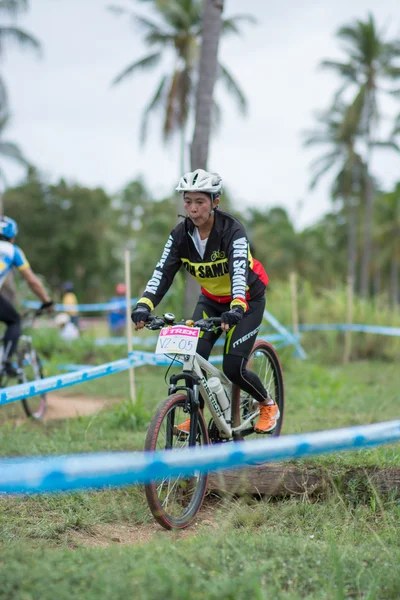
(227, 273)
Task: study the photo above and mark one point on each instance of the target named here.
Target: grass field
(345, 546)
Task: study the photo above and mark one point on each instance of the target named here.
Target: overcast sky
(70, 123)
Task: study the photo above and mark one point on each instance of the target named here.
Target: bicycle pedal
(265, 432)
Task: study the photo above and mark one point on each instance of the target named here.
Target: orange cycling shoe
(182, 427)
(269, 414)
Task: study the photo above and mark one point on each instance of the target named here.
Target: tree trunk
(367, 245)
(394, 279)
(368, 221)
(377, 282)
(212, 20)
(352, 240)
(208, 64)
(305, 481)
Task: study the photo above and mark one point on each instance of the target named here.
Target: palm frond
(216, 117)
(325, 158)
(147, 25)
(178, 102)
(13, 7)
(170, 121)
(13, 152)
(175, 14)
(394, 93)
(324, 168)
(346, 70)
(118, 10)
(388, 145)
(3, 95)
(233, 88)
(231, 25)
(154, 103)
(147, 62)
(396, 126)
(21, 37)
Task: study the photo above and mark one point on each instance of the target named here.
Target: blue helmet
(67, 286)
(8, 227)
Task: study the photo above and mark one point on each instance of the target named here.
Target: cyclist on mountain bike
(12, 256)
(212, 246)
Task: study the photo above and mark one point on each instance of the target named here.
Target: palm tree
(12, 33)
(370, 63)
(208, 66)
(387, 234)
(8, 150)
(337, 134)
(177, 27)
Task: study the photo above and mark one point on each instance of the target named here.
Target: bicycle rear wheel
(175, 501)
(264, 362)
(31, 369)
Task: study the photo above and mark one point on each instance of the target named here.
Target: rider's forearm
(37, 287)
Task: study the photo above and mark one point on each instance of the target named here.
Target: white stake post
(128, 320)
(349, 321)
(295, 314)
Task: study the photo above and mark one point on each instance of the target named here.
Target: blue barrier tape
(56, 382)
(291, 338)
(74, 472)
(100, 306)
(83, 373)
(378, 329)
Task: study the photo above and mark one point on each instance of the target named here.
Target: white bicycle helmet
(200, 181)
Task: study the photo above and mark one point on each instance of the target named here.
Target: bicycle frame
(196, 364)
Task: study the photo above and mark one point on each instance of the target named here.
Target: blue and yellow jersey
(11, 256)
(227, 272)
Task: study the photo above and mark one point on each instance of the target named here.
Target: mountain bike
(28, 367)
(175, 501)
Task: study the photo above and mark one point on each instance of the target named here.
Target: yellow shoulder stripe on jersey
(24, 266)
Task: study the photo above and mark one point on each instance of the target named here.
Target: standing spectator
(117, 316)
(69, 299)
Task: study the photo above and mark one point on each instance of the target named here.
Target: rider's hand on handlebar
(47, 306)
(139, 315)
(231, 317)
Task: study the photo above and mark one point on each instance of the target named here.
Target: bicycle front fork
(192, 404)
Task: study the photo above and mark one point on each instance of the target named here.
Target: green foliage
(68, 233)
(344, 546)
(133, 416)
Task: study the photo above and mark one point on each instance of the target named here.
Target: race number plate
(178, 339)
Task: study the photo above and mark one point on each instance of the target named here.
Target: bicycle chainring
(213, 433)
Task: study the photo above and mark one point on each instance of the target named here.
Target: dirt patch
(108, 534)
(69, 407)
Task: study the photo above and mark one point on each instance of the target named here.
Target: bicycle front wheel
(31, 369)
(175, 501)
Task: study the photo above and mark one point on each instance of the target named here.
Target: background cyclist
(12, 256)
(212, 246)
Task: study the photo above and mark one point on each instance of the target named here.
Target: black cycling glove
(233, 316)
(140, 313)
(46, 305)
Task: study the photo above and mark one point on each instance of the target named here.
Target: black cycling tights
(235, 369)
(11, 318)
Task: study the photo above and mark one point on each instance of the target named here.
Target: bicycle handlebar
(156, 322)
